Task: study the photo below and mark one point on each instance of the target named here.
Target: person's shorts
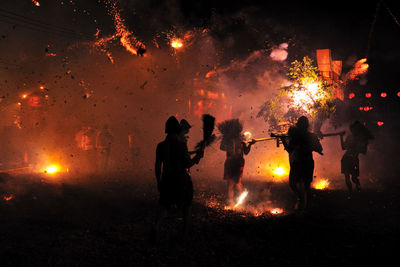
(301, 171)
(350, 165)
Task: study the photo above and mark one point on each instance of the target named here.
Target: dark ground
(84, 223)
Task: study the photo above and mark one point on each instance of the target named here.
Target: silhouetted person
(185, 127)
(300, 145)
(89, 150)
(173, 181)
(234, 165)
(103, 145)
(354, 144)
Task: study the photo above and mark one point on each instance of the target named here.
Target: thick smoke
(135, 95)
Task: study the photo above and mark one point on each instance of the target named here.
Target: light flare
(276, 211)
(241, 198)
(8, 197)
(321, 184)
(248, 135)
(280, 171)
(176, 43)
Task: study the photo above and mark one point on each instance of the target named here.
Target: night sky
(343, 26)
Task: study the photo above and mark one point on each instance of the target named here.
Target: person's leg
(348, 182)
(187, 220)
(231, 192)
(294, 187)
(239, 186)
(356, 181)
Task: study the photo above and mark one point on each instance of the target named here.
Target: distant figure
(89, 150)
(354, 144)
(233, 143)
(103, 145)
(300, 145)
(173, 181)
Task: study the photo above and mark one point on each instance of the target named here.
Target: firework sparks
(280, 171)
(126, 37)
(8, 197)
(276, 211)
(176, 43)
(248, 135)
(321, 184)
(241, 198)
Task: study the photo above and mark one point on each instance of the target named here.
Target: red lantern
(351, 95)
(380, 123)
(368, 95)
(383, 94)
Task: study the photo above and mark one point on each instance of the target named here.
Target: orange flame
(176, 43)
(276, 211)
(8, 198)
(36, 3)
(321, 184)
(241, 198)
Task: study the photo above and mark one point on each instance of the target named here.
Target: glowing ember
(52, 169)
(247, 135)
(279, 171)
(24, 96)
(351, 95)
(380, 123)
(36, 3)
(321, 184)
(307, 94)
(8, 198)
(360, 67)
(276, 211)
(368, 95)
(176, 43)
(241, 198)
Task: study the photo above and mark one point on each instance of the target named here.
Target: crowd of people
(173, 162)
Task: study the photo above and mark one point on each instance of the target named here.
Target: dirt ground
(99, 221)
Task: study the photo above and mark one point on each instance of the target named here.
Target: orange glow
(212, 95)
(52, 169)
(36, 3)
(351, 95)
(321, 184)
(24, 96)
(34, 101)
(41, 87)
(176, 43)
(368, 95)
(380, 123)
(241, 198)
(280, 171)
(360, 67)
(276, 211)
(247, 135)
(8, 198)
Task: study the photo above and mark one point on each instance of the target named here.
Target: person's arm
(286, 144)
(342, 142)
(189, 162)
(157, 167)
(317, 147)
(247, 148)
